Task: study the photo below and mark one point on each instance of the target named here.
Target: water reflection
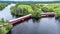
(6, 14)
(58, 22)
(42, 26)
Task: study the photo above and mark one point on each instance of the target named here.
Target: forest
(3, 5)
(35, 9)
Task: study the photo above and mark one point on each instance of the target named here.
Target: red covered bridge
(21, 19)
(48, 14)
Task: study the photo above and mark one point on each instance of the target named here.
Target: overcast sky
(29, 0)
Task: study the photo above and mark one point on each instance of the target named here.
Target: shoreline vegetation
(3, 5)
(35, 9)
(5, 26)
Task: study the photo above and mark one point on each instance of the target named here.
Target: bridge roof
(47, 13)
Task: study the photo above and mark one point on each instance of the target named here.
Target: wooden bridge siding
(47, 15)
(14, 21)
(21, 19)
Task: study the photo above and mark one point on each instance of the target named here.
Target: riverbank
(3, 5)
(5, 14)
(5, 26)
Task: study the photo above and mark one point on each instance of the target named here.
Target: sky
(29, 0)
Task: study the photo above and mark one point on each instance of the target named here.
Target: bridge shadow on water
(48, 25)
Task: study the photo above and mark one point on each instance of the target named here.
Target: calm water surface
(42, 26)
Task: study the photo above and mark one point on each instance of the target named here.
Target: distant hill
(31, 1)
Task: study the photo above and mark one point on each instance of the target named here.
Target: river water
(6, 14)
(41, 26)
(48, 25)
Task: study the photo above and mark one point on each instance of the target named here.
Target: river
(48, 25)
(41, 26)
(6, 14)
